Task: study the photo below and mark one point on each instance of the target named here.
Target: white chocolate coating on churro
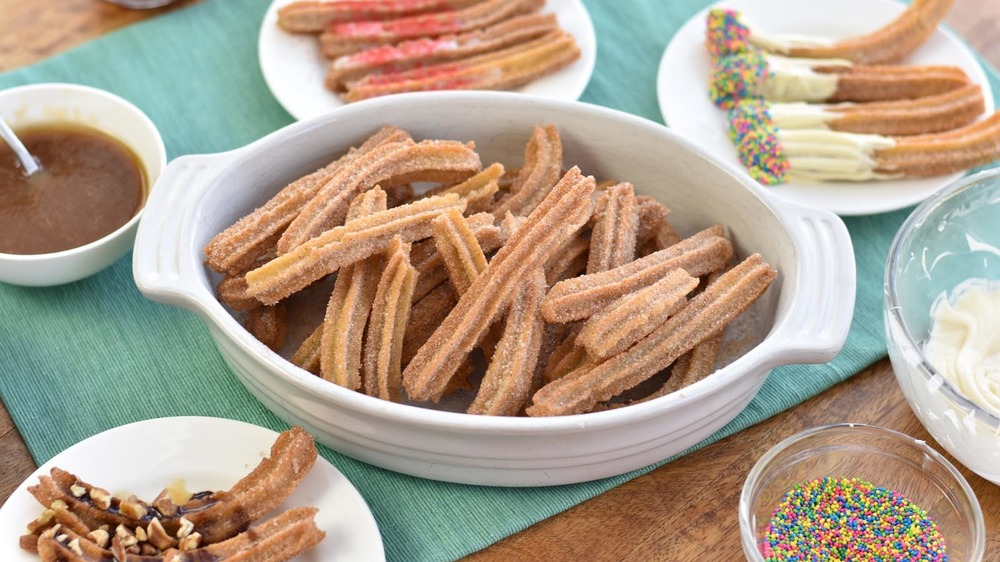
(797, 80)
(800, 115)
(817, 155)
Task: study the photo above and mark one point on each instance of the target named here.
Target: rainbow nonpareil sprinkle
(849, 519)
(726, 34)
(756, 138)
(736, 77)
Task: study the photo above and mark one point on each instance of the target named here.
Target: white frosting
(819, 155)
(964, 343)
(800, 115)
(792, 79)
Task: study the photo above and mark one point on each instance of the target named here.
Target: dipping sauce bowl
(81, 110)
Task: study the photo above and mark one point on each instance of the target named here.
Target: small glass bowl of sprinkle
(858, 492)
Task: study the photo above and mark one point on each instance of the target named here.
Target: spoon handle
(15, 144)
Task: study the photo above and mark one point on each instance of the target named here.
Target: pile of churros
(534, 291)
(380, 48)
(812, 109)
(85, 523)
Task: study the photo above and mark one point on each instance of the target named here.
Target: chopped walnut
(186, 528)
(157, 535)
(117, 550)
(74, 545)
(140, 534)
(126, 536)
(77, 490)
(148, 550)
(189, 542)
(62, 537)
(100, 497)
(164, 504)
(58, 504)
(100, 537)
(133, 508)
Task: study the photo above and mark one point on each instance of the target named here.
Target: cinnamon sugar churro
(390, 311)
(563, 211)
(580, 297)
(344, 245)
(612, 241)
(541, 170)
(508, 378)
(706, 314)
(387, 165)
(635, 315)
(348, 308)
(429, 300)
(236, 249)
(728, 33)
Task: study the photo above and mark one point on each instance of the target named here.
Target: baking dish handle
(824, 286)
(160, 267)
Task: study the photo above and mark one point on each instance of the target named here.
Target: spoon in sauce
(15, 144)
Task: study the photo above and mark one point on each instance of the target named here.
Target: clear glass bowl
(951, 237)
(881, 456)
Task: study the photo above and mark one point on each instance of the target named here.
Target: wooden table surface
(685, 510)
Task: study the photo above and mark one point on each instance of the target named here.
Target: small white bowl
(40, 104)
(803, 317)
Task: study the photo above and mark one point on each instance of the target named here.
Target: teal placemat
(79, 359)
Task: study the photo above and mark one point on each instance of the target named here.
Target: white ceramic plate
(294, 69)
(682, 91)
(208, 454)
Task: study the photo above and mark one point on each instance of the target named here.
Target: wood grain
(685, 510)
(30, 31)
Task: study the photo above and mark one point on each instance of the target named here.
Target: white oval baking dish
(805, 314)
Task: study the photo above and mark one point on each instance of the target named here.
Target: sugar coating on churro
(456, 243)
(753, 132)
(391, 164)
(541, 170)
(612, 240)
(389, 316)
(635, 315)
(581, 297)
(411, 324)
(705, 315)
(343, 245)
(236, 248)
(508, 379)
(564, 210)
(347, 311)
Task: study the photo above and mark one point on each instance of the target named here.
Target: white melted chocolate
(795, 79)
(819, 155)
(964, 344)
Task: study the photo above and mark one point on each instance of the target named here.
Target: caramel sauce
(90, 184)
